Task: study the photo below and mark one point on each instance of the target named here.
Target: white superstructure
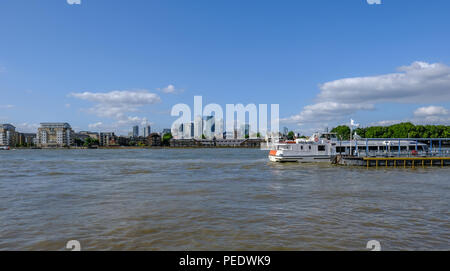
(323, 147)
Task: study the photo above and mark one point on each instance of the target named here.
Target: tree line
(401, 130)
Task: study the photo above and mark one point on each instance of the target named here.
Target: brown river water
(214, 199)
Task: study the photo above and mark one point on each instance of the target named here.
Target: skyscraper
(147, 131)
(136, 131)
(209, 126)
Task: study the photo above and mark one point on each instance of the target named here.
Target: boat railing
(434, 153)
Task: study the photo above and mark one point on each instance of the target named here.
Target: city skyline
(323, 63)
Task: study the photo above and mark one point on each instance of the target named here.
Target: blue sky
(84, 63)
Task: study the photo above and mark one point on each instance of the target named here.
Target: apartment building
(7, 135)
(107, 139)
(54, 135)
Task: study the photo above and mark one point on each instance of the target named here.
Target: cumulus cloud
(326, 111)
(170, 89)
(374, 2)
(432, 115)
(431, 111)
(27, 127)
(74, 2)
(416, 83)
(95, 125)
(116, 104)
(386, 122)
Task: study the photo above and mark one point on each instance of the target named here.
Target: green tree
(342, 131)
(291, 135)
(166, 139)
(401, 130)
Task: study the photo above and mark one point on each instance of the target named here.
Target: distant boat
(5, 148)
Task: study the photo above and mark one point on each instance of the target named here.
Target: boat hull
(301, 159)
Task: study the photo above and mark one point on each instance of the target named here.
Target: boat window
(301, 147)
(309, 147)
(321, 148)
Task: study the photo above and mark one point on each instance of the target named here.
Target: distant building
(7, 135)
(188, 130)
(122, 141)
(90, 134)
(80, 136)
(244, 132)
(135, 131)
(209, 126)
(54, 135)
(26, 139)
(154, 140)
(198, 127)
(147, 130)
(166, 131)
(107, 139)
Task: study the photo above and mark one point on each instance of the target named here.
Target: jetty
(394, 154)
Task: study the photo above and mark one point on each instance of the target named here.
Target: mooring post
(367, 147)
(431, 146)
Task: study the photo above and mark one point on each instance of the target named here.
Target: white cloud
(326, 111)
(372, 2)
(74, 2)
(116, 104)
(432, 115)
(27, 127)
(417, 83)
(386, 122)
(436, 115)
(431, 111)
(170, 89)
(95, 125)
(6, 106)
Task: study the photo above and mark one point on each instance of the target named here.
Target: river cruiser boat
(322, 147)
(5, 148)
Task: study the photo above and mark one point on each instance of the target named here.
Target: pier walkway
(406, 161)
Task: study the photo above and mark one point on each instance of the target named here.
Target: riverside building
(7, 135)
(54, 135)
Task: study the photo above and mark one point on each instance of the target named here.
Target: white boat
(4, 148)
(322, 147)
(318, 148)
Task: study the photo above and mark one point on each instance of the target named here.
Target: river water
(214, 199)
